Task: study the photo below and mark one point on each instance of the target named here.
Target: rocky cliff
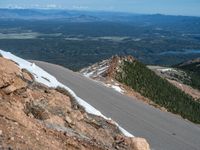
(34, 116)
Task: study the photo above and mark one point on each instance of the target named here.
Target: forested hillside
(143, 80)
(192, 68)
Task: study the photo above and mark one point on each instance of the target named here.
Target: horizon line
(90, 10)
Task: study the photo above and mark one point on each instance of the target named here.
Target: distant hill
(192, 69)
(76, 39)
(144, 19)
(39, 14)
(191, 65)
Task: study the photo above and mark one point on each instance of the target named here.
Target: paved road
(163, 130)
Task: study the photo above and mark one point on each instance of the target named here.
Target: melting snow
(88, 74)
(95, 70)
(45, 78)
(166, 69)
(117, 88)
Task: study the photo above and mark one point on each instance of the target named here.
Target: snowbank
(117, 88)
(45, 78)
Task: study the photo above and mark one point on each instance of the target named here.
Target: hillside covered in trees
(192, 68)
(137, 76)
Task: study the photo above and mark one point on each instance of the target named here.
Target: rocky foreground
(33, 116)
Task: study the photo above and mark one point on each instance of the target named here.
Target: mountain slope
(192, 68)
(146, 82)
(186, 75)
(191, 65)
(34, 115)
(136, 75)
(178, 78)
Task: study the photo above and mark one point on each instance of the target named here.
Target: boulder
(139, 144)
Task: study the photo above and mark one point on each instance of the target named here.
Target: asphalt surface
(163, 130)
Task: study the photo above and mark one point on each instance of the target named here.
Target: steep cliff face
(34, 116)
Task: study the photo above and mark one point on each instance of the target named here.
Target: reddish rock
(38, 117)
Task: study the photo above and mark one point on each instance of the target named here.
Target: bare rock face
(115, 63)
(37, 117)
(15, 85)
(139, 144)
(8, 71)
(11, 77)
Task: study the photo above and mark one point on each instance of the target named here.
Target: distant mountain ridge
(88, 15)
(81, 38)
(27, 14)
(191, 65)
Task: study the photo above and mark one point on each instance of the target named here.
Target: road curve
(163, 130)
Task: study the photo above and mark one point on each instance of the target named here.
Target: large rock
(15, 85)
(8, 70)
(139, 144)
(11, 77)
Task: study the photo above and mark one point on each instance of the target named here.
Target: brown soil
(187, 89)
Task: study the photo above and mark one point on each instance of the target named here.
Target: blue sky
(174, 7)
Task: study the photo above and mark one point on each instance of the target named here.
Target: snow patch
(102, 70)
(39, 74)
(88, 74)
(126, 133)
(166, 69)
(116, 87)
(45, 78)
(95, 70)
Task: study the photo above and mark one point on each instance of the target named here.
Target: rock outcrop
(33, 116)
